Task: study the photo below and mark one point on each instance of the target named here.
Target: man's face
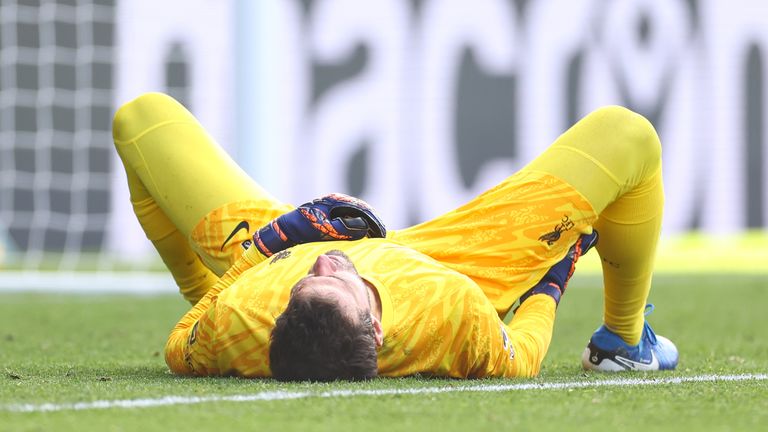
(334, 276)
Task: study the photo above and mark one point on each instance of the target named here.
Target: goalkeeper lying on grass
(324, 292)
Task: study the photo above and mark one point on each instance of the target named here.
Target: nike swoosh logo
(242, 225)
(642, 366)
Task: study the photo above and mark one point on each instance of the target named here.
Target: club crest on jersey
(551, 237)
(280, 255)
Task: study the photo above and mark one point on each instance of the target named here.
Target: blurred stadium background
(414, 105)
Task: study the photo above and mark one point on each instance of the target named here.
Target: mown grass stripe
(287, 395)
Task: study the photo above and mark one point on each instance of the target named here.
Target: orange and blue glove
(332, 217)
(556, 279)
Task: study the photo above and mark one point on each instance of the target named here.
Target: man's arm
(530, 334)
(187, 351)
(530, 331)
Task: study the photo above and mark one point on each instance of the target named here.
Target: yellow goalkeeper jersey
(443, 286)
(436, 321)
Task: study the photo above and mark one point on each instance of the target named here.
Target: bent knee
(143, 112)
(635, 136)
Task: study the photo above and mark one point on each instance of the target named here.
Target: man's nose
(323, 266)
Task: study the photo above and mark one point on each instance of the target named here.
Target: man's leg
(604, 172)
(613, 158)
(177, 176)
(191, 276)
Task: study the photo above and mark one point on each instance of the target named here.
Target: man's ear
(378, 331)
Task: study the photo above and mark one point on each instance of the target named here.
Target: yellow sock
(176, 175)
(170, 158)
(192, 277)
(629, 234)
(613, 158)
(186, 172)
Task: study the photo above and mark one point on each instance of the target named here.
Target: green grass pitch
(61, 350)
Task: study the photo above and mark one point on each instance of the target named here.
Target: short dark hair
(313, 340)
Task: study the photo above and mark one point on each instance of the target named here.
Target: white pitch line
(285, 395)
(77, 282)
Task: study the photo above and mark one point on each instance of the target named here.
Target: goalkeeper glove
(332, 217)
(556, 279)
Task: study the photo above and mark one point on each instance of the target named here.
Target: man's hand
(556, 279)
(332, 217)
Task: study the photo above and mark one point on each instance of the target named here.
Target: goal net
(56, 93)
(65, 65)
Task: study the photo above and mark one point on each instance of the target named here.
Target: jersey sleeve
(530, 334)
(516, 349)
(189, 349)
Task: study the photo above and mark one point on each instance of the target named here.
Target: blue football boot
(607, 352)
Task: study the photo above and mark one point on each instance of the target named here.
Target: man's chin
(341, 259)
